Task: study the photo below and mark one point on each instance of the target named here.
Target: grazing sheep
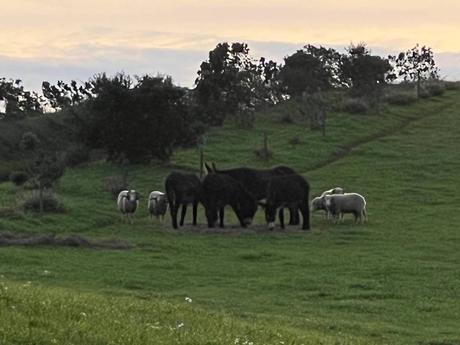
(338, 204)
(157, 205)
(127, 202)
(319, 203)
(336, 190)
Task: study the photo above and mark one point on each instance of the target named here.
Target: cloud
(149, 52)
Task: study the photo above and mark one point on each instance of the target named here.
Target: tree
(44, 167)
(309, 70)
(63, 95)
(138, 119)
(416, 64)
(18, 102)
(231, 82)
(365, 73)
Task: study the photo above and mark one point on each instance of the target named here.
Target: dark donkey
(255, 181)
(290, 191)
(182, 189)
(219, 190)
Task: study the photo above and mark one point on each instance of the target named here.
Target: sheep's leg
(281, 217)
(182, 216)
(194, 212)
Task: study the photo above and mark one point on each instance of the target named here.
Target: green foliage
(400, 98)
(416, 64)
(76, 154)
(115, 184)
(356, 106)
(452, 85)
(231, 82)
(19, 102)
(51, 203)
(139, 121)
(435, 88)
(310, 70)
(18, 177)
(366, 74)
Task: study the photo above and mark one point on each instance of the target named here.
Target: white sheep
(338, 204)
(157, 205)
(127, 202)
(319, 203)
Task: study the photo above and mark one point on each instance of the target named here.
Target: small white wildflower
(180, 325)
(13, 307)
(188, 299)
(46, 272)
(237, 340)
(83, 314)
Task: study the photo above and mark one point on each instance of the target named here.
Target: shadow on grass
(9, 239)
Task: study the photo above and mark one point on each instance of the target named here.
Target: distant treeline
(140, 118)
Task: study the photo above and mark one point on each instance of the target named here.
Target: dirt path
(346, 150)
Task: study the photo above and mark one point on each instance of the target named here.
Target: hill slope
(393, 280)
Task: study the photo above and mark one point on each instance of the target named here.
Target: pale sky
(67, 39)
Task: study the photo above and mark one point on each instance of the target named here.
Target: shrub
(287, 119)
(424, 93)
(356, 106)
(401, 98)
(451, 85)
(435, 89)
(115, 184)
(7, 167)
(76, 154)
(18, 177)
(50, 202)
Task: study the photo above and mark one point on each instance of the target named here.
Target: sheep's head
(132, 195)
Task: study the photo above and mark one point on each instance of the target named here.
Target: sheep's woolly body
(338, 204)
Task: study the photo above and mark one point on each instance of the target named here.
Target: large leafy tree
(310, 70)
(232, 82)
(365, 73)
(137, 119)
(416, 64)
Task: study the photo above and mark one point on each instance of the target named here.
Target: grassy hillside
(394, 280)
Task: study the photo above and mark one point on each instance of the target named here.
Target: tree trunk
(40, 197)
(418, 84)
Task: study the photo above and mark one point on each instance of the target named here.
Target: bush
(401, 98)
(435, 89)
(18, 177)
(50, 202)
(76, 154)
(7, 167)
(424, 93)
(286, 118)
(356, 106)
(452, 85)
(115, 184)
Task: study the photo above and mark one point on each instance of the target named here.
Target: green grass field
(394, 280)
